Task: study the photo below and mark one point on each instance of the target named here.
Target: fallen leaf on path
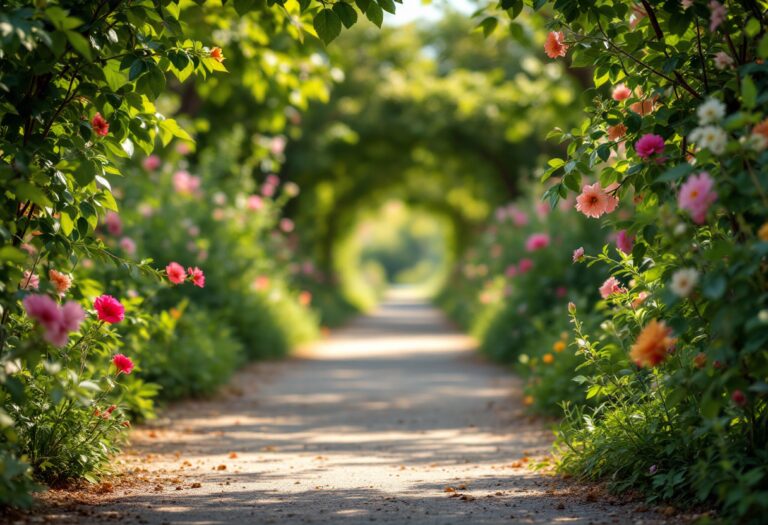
(449, 489)
(196, 485)
(221, 467)
(232, 455)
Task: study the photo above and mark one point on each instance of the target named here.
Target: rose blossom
(99, 125)
(648, 145)
(29, 281)
(555, 46)
(696, 195)
(175, 273)
(109, 309)
(197, 276)
(610, 286)
(123, 364)
(61, 281)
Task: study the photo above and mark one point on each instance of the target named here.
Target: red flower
(99, 125)
(197, 275)
(738, 398)
(109, 309)
(123, 364)
(175, 273)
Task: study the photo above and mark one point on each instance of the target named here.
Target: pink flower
(578, 254)
(72, 314)
(29, 281)
(277, 145)
(99, 125)
(717, 14)
(254, 203)
(697, 195)
(610, 286)
(151, 163)
(175, 273)
(286, 225)
(113, 223)
(624, 241)
(44, 310)
(185, 183)
(182, 148)
(511, 270)
(520, 218)
(555, 45)
(123, 364)
(542, 209)
(648, 145)
(640, 299)
(525, 265)
(561, 291)
(537, 241)
(594, 201)
(128, 245)
(197, 276)
(272, 179)
(109, 309)
(621, 92)
(723, 60)
(268, 190)
(261, 283)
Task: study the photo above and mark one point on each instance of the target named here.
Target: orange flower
(558, 346)
(555, 46)
(528, 400)
(763, 232)
(217, 54)
(761, 128)
(700, 360)
(617, 131)
(652, 345)
(60, 281)
(548, 359)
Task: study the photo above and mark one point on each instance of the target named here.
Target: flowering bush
(679, 365)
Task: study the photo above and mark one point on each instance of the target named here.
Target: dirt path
(391, 420)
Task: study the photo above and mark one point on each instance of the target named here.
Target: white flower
(684, 281)
(723, 60)
(711, 112)
(680, 229)
(755, 142)
(712, 138)
(685, 4)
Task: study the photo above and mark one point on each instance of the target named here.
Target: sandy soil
(393, 419)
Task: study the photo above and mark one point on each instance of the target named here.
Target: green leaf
(387, 5)
(80, 43)
(675, 173)
(748, 92)
(762, 47)
(752, 28)
(375, 14)
(488, 25)
(327, 25)
(363, 5)
(346, 13)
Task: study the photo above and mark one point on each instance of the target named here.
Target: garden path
(393, 419)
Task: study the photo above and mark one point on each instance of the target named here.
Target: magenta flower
(109, 309)
(113, 223)
(696, 195)
(648, 145)
(123, 364)
(537, 241)
(56, 321)
(525, 265)
(624, 241)
(175, 273)
(72, 314)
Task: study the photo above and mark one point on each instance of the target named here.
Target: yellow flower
(559, 346)
(528, 400)
(763, 232)
(548, 359)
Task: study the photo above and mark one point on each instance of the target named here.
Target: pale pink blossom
(542, 209)
(696, 196)
(511, 270)
(286, 225)
(723, 60)
(151, 163)
(268, 190)
(610, 286)
(185, 183)
(128, 245)
(182, 148)
(277, 145)
(254, 203)
(717, 14)
(113, 223)
(578, 254)
(29, 281)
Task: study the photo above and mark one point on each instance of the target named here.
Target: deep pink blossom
(649, 145)
(175, 273)
(525, 265)
(696, 196)
(537, 241)
(197, 276)
(109, 309)
(72, 314)
(44, 310)
(624, 241)
(123, 364)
